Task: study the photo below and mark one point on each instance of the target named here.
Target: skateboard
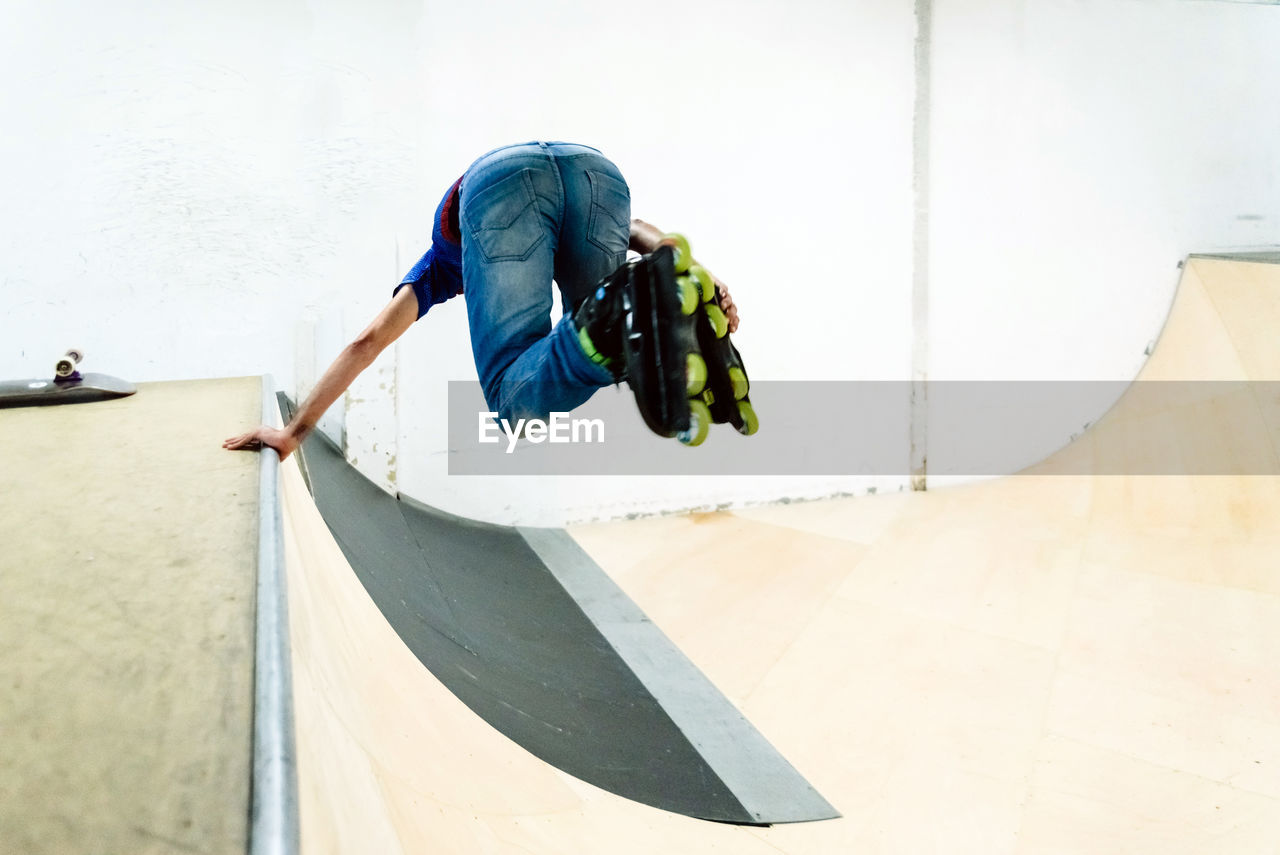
(685, 372)
(67, 386)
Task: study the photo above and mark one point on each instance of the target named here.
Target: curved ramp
(528, 632)
(1205, 402)
(1047, 663)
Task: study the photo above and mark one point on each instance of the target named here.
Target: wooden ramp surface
(127, 577)
(1042, 664)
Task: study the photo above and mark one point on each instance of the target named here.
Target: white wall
(1080, 151)
(182, 180)
(775, 135)
(234, 188)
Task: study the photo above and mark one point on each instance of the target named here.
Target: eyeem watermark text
(558, 428)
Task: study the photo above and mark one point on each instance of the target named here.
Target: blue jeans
(531, 214)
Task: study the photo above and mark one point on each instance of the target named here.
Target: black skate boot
(599, 321)
(656, 322)
(680, 364)
(725, 390)
(661, 347)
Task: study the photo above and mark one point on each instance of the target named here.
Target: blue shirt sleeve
(420, 278)
(438, 274)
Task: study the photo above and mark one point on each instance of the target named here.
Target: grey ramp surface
(1258, 256)
(764, 782)
(477, 604)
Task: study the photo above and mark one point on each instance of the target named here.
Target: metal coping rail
(274, 818)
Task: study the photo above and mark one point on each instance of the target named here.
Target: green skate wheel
(695, 374)
(689, 295)
(738, 378)
(750, 422)
(705, 283)
(699, 424)
(681, 245)
(719, 323)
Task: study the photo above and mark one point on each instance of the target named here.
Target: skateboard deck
(67, 386)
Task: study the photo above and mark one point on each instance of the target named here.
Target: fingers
(260, 438)
(248, 440)
(729, 307)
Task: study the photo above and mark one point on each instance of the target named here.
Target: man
(520, 217)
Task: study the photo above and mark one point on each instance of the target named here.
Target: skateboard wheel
(699, 424)
(738, 378)
(750, 422)
(680, 244)
(706, 284)
(689, 295)
(719, 323)
(66, 366)
(695, 374)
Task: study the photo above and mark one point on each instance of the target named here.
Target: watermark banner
(975, 428)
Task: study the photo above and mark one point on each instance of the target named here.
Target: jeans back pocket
(609, 226)
(504, 219)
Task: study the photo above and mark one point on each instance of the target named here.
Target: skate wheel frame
(665, 329)
(725, 394)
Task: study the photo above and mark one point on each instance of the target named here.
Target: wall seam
(920, 139)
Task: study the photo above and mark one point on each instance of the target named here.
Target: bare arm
(388, 326)
(646, 237)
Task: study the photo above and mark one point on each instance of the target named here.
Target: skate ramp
(127, 589)
(530, 634)
(1048, 663)
(1045, 663)
(1205, 403)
